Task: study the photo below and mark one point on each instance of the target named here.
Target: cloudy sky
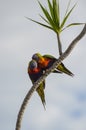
(19, 40)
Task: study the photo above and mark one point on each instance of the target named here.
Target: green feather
(60, 67)
(49, 56)
(40, 91)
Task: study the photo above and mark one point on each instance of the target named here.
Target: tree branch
(59, 44)
(36, 84)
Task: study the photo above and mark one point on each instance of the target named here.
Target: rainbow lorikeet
(35, 73)
(46, 61)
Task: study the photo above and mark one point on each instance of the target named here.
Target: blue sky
(19, 40)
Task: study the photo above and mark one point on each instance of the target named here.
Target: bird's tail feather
(63, 69)
(40, 91)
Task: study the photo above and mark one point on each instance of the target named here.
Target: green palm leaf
(44, 19)
(56, 13)
(52, 17)
(67, 7)
(40, 23)
(47, 15)
(66, 17)
(50, 8)
(72, 24)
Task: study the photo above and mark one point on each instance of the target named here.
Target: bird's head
(38, 58)
(32, 65)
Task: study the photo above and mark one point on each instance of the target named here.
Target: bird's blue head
(37, 57)
(32, 64)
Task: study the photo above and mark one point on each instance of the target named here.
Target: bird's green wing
(60, 67)
(49, 56)
(52, 58)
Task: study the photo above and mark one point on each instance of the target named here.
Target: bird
(35, 73)
(46, 61)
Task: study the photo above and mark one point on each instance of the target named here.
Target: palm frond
(56, 13)
(52, 16)
(46, 13)
(67, 7)
(50, 8)
(67, 15)
(72, 24)
(44, 25)
(44, 19)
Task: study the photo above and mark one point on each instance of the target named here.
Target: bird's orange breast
(44, 62)
(36, 70)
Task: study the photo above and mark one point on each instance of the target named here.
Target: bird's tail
(63, 69)
(40, 91)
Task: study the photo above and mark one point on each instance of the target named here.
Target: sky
(19, 40)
